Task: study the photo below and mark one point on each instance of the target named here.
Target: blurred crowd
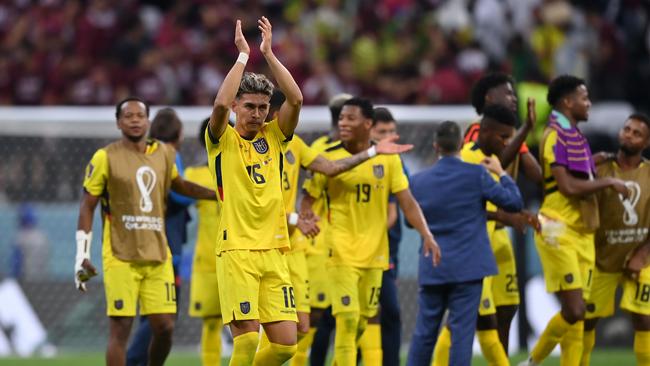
(93, 52)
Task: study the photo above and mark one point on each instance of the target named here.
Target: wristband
(84, 239)
(372, 151)
(243, 58)
(293, 219)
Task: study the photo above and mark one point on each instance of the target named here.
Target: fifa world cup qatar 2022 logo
(630, 217)
(146, 179)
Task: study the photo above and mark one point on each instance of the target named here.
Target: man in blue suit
(452, 195)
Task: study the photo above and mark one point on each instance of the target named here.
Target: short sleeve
(307, 154)
(274, 129)
(96, 173)
(398, 179)
(174, 172)
(315, 185)
(555, 150)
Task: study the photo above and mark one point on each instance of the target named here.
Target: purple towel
(572, 149)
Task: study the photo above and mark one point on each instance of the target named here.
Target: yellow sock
(492, 348)
(345, 341)
(211, 342)
(642, 348)
(588, 342)
(370, 345)
(274, 355)
(243, 350)
(264, 341)
(551, 336)
(571, 345)
(304, 344)
(443, 345)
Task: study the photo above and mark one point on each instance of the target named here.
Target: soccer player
(297, 155)
(622, 241)
(204, 287)
(168, 128)
(319, 284)
(389, 311)
(498, 88)
(246, 162)
(568, 217)
(357, 236)
(138, 173)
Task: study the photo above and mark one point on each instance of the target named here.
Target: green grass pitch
(599, 358)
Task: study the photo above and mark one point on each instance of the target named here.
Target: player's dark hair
(562, 86)
(484, 85)
(276, 101)
(166, 126)
(448, 137)
(335, 105)
(382, 114)
(500, 114)
(252, 83)
(118, 106)
(204, 126)
(641, 117)
(364, 104)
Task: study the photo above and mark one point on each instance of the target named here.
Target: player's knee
(574, 312)
(348, 322)
(164, 329)
(303, 327)
(641, 322)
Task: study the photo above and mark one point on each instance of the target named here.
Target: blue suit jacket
(452, 195)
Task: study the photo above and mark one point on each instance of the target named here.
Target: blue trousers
(389, 317)
(461, 299)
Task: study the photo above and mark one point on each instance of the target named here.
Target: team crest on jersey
(245, 307)
(119, 304)
(345, 300)
(568, 278)
(378, 171)
(290, 157)
(261, 146)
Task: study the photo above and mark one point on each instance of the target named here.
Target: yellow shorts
(299, 279)
(355, 289)
(504, 284)
(319, 282)
(204, 295)
(487, 307)
(635, 299)
(152, 284)
(567, 256)
(255, 284)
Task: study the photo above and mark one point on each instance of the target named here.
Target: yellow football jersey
(358, 208)
(208, 212)
(297, 155)
(95, 182)
(471, 153)
(556, 205)
(320, 205)
(248, 179)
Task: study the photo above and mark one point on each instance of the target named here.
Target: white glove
(84, 239)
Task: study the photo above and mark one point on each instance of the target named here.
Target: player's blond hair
(252, 83)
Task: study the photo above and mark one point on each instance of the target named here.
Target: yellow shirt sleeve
(549, 147)
(96, 173)
(274, 129)
(398, 179)
(315, 185)
(307, 154)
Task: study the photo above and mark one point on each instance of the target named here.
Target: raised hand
(619, 186)
(388, 146)
(265, 26)
(531, 116)
(240, 40)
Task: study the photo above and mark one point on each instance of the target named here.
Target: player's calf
(162, 329)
